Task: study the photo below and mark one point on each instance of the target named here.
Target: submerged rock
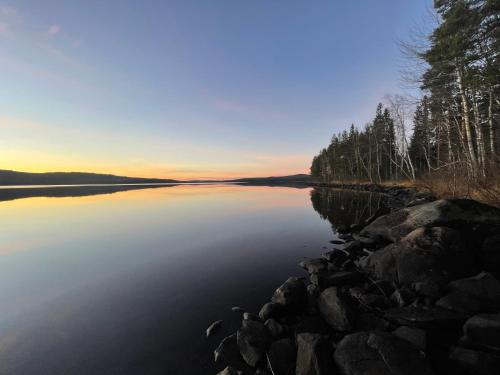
(214, 327)
(252, 341)
(292, 293)
(379, 353)
(336, 312)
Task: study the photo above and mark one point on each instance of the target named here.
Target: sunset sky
(191, 89)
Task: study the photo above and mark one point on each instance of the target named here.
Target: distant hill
(292, 179)
(71, 178)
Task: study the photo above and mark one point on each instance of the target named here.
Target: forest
(449, 133)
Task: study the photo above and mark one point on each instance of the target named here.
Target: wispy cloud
(54, 30)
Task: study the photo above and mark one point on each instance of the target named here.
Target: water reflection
(343, 208)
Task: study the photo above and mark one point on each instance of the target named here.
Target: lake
(125, 280)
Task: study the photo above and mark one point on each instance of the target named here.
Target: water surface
(125, 280)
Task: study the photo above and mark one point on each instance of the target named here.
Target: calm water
(125, 280)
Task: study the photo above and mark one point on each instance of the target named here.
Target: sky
(192, 89)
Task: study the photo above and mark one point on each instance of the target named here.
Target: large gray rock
(252, 341)
(282, 354)
(484, 287)
(483, 331)
(314, 355)
(292, 293)
(475, 362)
(335, 311)
(462, 214)
(425, 255)
(379, 353)
(316, 265)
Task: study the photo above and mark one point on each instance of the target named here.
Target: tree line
(453, 125)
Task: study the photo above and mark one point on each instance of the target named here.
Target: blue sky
(191, 89)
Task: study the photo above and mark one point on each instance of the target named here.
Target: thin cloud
(54, 30)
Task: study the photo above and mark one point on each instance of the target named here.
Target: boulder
(475, 362)
(229, 353)
(460, 301)
(416, 336)
(273, 327)
(292, 293)
(314, 265)
(335, 311)
(237, 309)
(270, 310)
(483, 331)
(430, 255)
(250, 316)
(402, 296)
(314, 355)
(282, 354)
(466, 215)
(379, 353)
(484, 287)
(252, 341)
(367, 321)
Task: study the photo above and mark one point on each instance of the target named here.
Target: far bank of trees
(454, 126)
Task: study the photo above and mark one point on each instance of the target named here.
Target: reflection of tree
(345, 207)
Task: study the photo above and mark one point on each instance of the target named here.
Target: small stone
(214, 327)
(237, 309)
(250, 316)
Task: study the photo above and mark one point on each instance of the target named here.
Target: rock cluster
(415, 291)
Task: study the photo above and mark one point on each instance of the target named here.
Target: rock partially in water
(270, 310)
(252, 341)
(314, 355)
(316, 265)
(238, 309)
(229, 353)
(475, 362)
(251, 316)
(336, 312)
(483, 331)
(293, 293)
(213, 328)
(282, 355)
(380, 353)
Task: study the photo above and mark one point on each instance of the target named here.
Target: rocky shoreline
(412, 290)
